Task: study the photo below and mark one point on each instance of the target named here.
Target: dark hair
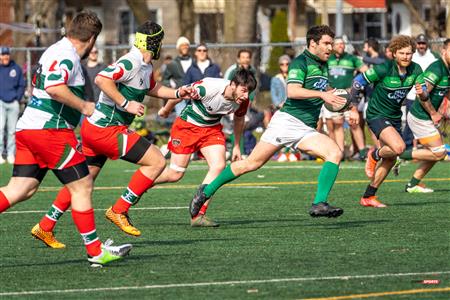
(85, 25)
(315, 33)
(244, 51)
(201, 44)
(149, 28)
(372, 42)
(446, 43)
(246, 78)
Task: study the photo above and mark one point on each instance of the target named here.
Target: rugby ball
(340, 108)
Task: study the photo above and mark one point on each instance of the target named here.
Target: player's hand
(88, 108)
(163, 112)
(188, 92)
(436, 118)
(332, 99)
(354, 116)
(236, 155)
(135, 108)
(420, 91)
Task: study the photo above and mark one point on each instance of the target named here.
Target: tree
(186, 18)
(278, 34)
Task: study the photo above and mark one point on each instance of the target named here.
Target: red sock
(203, 208)
(4, 203)
(60, 205)
(85, 222)
(138, 185)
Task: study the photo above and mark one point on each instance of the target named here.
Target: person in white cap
(174, 74)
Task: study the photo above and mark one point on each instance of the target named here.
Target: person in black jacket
(202, 66)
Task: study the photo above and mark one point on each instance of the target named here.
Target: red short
(113, 141)
(187, 138)
(49, 148)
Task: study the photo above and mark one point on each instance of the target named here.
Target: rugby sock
(138, 185)
(4, 203)
(225, 176)
(326, 180)
(370, 191)
(363, 152)
(413, 182)
(203, 209)
(85, 222)
(407, 154)
(376, 154)
(59, 206)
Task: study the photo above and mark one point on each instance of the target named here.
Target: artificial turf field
(267, 246)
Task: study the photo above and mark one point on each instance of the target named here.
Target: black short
(137, 151)
(378, 125)
(65, 176)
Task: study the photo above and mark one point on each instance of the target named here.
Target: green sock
(407, 154)
(224, 177)
(363, 152)
(413, 182)
(327, 177)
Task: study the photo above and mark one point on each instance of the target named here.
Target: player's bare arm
(183, 92)
(62, 93)
(239, 122)
(296, 91)
(109, 87)
(425, 101)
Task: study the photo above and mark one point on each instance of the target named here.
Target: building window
(374, 25)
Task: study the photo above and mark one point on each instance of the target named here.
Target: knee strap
(177, 168)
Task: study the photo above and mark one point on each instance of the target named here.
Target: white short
(334, 115)
(286, 130)
(421, 128)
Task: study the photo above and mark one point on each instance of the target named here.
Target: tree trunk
(187, 18)
(140, 10)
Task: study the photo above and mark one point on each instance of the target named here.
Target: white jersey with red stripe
(58, 65)
(212, 105)
(133, 78)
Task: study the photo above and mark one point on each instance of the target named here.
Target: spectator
(372, 52)
(11, 93)
(93, 66)
(160, 71)
(278, 82)
(174, 74)
(202, 66)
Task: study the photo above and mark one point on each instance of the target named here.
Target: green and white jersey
(390, 89)
(212, 105)
(59, 64)
(307, 69)
(437, 75)
(133, 79)
(341, 70)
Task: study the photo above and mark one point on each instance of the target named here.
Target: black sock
(376, 154)
(370, 191)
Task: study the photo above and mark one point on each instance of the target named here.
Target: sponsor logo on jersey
(320, 85)
(176, 142)
(398, 95)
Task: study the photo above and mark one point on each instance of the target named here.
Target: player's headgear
(149, 37)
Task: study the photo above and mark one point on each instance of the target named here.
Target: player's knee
(160, 164)
(399, 148)
(334, 155)
(218, 166)
(441, 155)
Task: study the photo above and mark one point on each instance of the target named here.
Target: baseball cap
(4, 50)
(421, 38)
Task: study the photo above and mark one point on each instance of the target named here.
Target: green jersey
(390, 89)
(437, 75)
(307, 69)
(341, 70)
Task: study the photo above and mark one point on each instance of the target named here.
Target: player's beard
(88, 50)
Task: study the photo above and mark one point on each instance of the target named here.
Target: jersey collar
(314, 57)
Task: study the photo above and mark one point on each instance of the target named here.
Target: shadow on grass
(348, 224)
(74, 262)
(177, 242)
(423, 203)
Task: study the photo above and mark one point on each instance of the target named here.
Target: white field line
(220, 283)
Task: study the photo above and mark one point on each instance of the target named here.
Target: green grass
(265, 234)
